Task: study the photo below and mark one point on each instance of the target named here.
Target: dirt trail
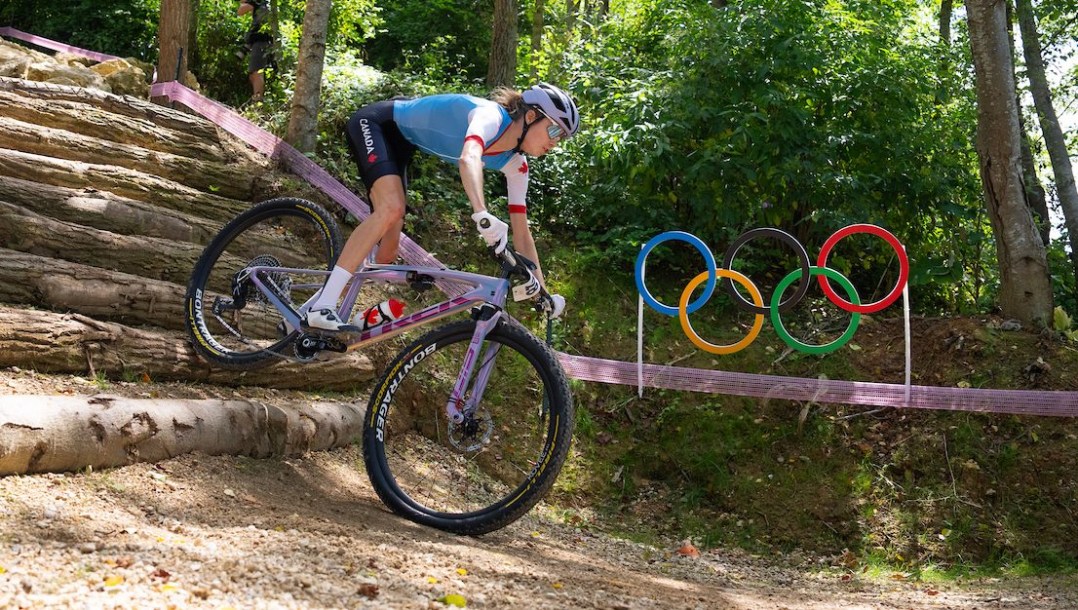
(217, 532)
(231, 532)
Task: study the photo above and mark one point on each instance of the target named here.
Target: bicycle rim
(480, 476)
(230, 320)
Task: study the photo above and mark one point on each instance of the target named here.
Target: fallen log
(151, 257)
(125, 105)
(28, 279)
(72, 343)
(120, 181)
(68, 433)
(87, 119)
(233, 180)
(103, 210)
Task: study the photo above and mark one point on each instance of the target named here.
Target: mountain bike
(467, 428)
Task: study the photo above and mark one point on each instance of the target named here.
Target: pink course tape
(1019, 402)
(53, 45)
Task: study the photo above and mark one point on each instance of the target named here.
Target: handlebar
(516, 265)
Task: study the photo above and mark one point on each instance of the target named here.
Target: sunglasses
(553, 130)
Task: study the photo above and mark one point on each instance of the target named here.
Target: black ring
(782, 236)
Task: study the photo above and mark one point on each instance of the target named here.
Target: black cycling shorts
(378, 146)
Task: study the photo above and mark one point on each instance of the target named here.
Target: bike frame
(484, 290)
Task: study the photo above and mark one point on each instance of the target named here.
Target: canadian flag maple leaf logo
(523, 167)
(371, 158)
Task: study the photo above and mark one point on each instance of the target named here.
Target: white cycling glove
(558, 302)
(494, 231)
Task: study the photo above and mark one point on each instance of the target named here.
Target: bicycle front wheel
(230, 321)
(484, 473)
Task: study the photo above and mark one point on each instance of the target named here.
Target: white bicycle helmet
(556, 104)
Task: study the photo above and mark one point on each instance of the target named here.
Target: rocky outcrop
(119, 76)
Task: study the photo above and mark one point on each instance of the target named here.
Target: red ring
(903, 268)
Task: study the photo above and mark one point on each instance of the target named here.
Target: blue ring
(709, 258)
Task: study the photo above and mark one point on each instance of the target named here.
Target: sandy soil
(231, 532)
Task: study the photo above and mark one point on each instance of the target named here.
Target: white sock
(331, 292)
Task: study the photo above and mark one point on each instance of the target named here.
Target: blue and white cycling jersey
(440, 124)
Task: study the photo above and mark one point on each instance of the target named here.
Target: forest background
(715, 118)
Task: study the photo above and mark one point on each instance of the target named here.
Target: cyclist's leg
(393, 196)
(379, 168)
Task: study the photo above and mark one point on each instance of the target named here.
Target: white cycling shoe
(327, 319)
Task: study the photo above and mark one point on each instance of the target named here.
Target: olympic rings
(777, 305)
(683, 313)
(731, 252)
(709, 258)
(903, 268)
(826, 348)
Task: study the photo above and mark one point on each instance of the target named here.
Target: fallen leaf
(120, 562)
(112, 581)
(432, 580)
(370, 591)
(145, 378)
(230, 493)
(161, 573)
(462, 571)
(454, 599)
(688, 550)
(3, 569)
(932, 592)
(557, 585)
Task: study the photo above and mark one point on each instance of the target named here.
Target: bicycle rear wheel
(230, 322)
(479, 476)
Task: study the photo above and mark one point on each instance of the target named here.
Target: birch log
(66, 433)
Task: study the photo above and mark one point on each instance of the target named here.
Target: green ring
(780, 330)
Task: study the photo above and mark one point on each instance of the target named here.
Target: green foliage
(223, 74)
(127, 28)
(801, 115)
(428, 36)
(1063, 324)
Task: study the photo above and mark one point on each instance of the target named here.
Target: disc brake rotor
(472, 434)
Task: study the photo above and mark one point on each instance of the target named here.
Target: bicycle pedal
(307, 346)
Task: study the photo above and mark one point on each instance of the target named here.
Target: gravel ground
(230, 532)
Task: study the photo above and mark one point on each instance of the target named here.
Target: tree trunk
(123, 182)
(303, 122)
(151, 257)
(194, 58)
(172, 38)
(27, 279)
(502, 69)
(102, 210)
(537, 37)
(228, 180)
(946, 8)
(68, 433)
(89, 120)
(70, 343)
(1054, 139)
(1038, 199)
(1038, 202)
(180, 124)
(1025, 289)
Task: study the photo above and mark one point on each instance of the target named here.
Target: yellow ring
(711, 347)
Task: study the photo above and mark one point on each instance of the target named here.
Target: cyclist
(472, 132)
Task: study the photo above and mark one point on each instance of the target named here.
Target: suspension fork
(456, 409)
